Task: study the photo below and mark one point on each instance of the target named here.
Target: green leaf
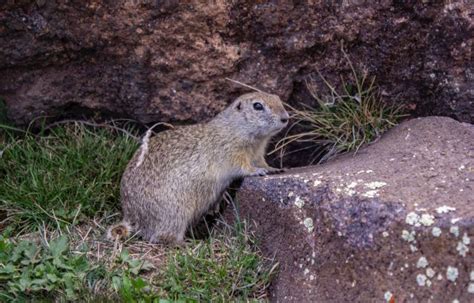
(124, 256)
(23, 284)
(138, 283)
(134, 266)
(39, 281)
(25, 261)
(126, 289)
(146, 265)
(116, 283)
(4, 245)
(52, 277)
(70, 294)
(59, 245)
(7, 269)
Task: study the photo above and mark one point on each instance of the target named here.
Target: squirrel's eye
(258, 106)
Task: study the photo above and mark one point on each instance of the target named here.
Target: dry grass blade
(343, 120)
(244, 85)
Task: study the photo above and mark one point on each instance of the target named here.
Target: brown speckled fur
(186, 169)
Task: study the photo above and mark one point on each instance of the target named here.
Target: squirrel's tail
(120, 231)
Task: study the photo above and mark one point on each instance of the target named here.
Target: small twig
(145, 254)
(244, 85)
(98, 224)
(109, 216)
(87, 235)
(3, 126)
(68, 230)
(45, 234)
(49, 215)
(79, 232)
(77, 213)
(98, 251)
(32, 122)
(57, 223)
(117, 248)
(3, 150)
(130, 238)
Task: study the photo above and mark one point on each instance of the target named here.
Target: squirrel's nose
(284, 117)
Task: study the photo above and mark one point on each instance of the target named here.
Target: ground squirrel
(175, 176)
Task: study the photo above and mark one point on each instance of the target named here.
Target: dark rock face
(167, 61)
(395, 222)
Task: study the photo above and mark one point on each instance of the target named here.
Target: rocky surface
(394, 223)
(167, 61)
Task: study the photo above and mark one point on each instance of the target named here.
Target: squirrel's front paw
(259, 172)
(274, 170)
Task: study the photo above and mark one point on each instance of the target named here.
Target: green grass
(226, 267)
(343, 120)
(69, 173)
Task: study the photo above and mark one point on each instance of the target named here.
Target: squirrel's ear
(238, 106)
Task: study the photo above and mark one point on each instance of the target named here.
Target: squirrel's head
(261, 114)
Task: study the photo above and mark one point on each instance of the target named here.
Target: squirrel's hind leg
(175, 238)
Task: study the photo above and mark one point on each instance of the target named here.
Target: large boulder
(395, 222)
(167, 60)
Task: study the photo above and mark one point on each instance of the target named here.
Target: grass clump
(344, 120)
(224, 268)
(69, 173)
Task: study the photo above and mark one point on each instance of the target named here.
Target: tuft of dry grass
(343, 120)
